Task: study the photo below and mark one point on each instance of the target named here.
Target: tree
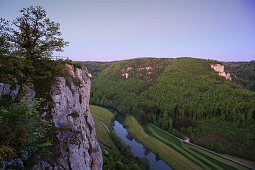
(33, 35)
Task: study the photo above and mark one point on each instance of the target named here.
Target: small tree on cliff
(33, 35)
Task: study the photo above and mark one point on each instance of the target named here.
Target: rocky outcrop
(76, 145)
(79, 147)
(11, 92)
(220, 68)
(126, 75)
(7, 92)
(127, 72)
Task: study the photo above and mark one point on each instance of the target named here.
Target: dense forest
(243, 73)
(184, 96)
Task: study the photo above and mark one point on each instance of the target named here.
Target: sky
(109, 30)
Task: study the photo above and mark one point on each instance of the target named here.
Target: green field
(105, 116)
(102, 135)
(175, 153)
(102, 114)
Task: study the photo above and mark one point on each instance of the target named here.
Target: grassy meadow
(102, 135)
(105, 116)
(102, 114)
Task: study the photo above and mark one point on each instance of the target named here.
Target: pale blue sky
(107, 30)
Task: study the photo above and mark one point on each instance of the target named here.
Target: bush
(76, 81)
(23, 129)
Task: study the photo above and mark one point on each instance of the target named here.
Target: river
(138, 149)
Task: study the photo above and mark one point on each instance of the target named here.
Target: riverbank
(174, 152)
(116, 155)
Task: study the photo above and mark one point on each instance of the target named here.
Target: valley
(183, 96)
(175, 153)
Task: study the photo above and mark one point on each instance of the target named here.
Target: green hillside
(184, 96)
(243, 73)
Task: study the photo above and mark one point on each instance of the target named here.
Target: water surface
(138, 149)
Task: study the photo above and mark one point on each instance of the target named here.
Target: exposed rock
(126, 75)
(6, 92)
(17, 163)
(78, 146)
(10, 92)
(220, 68)
(129, 68)
(70, 69)
(148, 68)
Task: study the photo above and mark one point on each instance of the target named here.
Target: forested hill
(182, 94)
(183, 87)
(243, 73)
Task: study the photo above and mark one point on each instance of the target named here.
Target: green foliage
(76, 81)
(96, 67)
(76, 64)
(32, 35)
(122, 158)
(174, 93)
(25, 60)
(4, 44)
(40, 73)
(23, 129)
(242, 73)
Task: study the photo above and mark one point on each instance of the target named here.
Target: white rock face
(220, 68)
(78, 145)
(126, 75)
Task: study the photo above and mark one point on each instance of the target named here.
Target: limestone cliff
(220, 69)
(76, 145)
(79, 147)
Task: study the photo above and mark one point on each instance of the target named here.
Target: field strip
(204, 148)
(178, 149)
(166, 153)
(102, 124)
(198, 157)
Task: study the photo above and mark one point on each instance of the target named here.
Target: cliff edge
(76, 146)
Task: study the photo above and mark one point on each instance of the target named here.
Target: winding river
(138, 149)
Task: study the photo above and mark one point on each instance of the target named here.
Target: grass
(102, 114)
(106, 117)
(175, 153)
(169, 155)
(103, 136)
(245, 161)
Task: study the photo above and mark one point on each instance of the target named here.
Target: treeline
(174, 93)
(122, 158)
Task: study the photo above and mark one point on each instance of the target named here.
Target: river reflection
(138, 149)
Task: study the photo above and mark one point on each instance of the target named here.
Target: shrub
(23, 129)
(76, 81)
